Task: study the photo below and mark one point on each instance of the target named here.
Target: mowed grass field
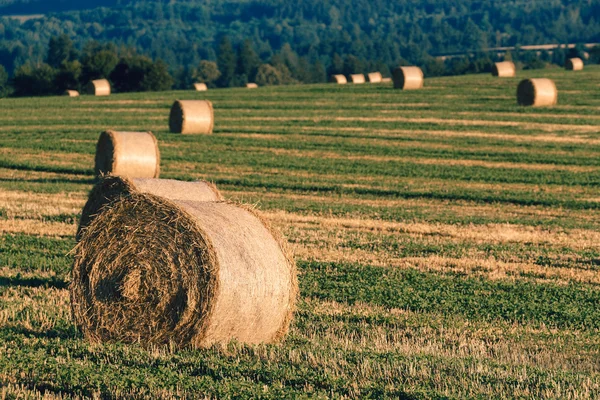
(448, 240)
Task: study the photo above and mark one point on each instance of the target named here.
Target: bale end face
(408, 78)
(98, 87)
(127, 154)
(505, 69)
(191, 117)
(339, 79)
(152, 271)
(537, 92)
(574, 64)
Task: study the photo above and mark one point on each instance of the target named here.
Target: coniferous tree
(226, 61)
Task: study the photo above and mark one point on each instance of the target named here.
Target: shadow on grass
(56, 283)
(46, 168)
(54, 333)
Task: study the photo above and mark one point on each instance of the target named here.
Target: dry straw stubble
(154, 271)
(537, 92)
(408, 78)
(504, 69)
(98, 87)
(128, 154)
(191, 117)
(110, 188)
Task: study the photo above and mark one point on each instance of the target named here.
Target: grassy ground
(448, 240)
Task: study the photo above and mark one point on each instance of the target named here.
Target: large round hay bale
(537, 92)
(374, 77)
(574, 64)
(339, 79)
(128, 154)
(408, 78)
(110, 188)
(71, 93)
(200, 87)
(386, 80)
(98, 87)
(191, 117)
(251, 86)
(504, 69)
(357, 78)
(154, 271)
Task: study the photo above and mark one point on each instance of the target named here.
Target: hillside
(184, 32)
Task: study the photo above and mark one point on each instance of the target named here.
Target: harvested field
(447, 244)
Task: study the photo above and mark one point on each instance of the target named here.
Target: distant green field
(448, 240)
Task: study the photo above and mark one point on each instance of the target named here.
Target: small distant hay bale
(110, 188)
(408, 78)
(156, 271)
(128, 154)
(200, 87)
(386, 80)
(71, 93)
(357, 78)
(574, 64)
(339, 79)
(98, 87)
(374, 77)
(191, 117)
(586, 55)
(537, 92)
(504, 69)
(251, 86)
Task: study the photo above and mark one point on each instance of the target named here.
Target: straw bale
(357, 78)
(98, 87)
(374, 77)
(191, 117)
(71, 93)
(537, 92)
(154, 271)
(504, 69)
(574, 64)
(408, 78)
(386, 80)
(339, 79)
(128, 154)
(200, 87)
(110, 188)
(251, 85)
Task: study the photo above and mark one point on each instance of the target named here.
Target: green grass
(446, 240)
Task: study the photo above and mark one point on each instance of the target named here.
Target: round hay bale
(110, 188)
(191, 117)
(357, 78)
(386, 80)
(128, 154)
(153, 271)
(339, 79)
(251, 85)
(374, 77)
(408, 78)
(200, 87)
(574, 64)
(98, 87)
(537, 92)
(71, 93)
(504, 69)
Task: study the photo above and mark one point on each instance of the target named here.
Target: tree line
(67, 68)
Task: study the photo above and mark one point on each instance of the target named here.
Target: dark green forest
(300, 41)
